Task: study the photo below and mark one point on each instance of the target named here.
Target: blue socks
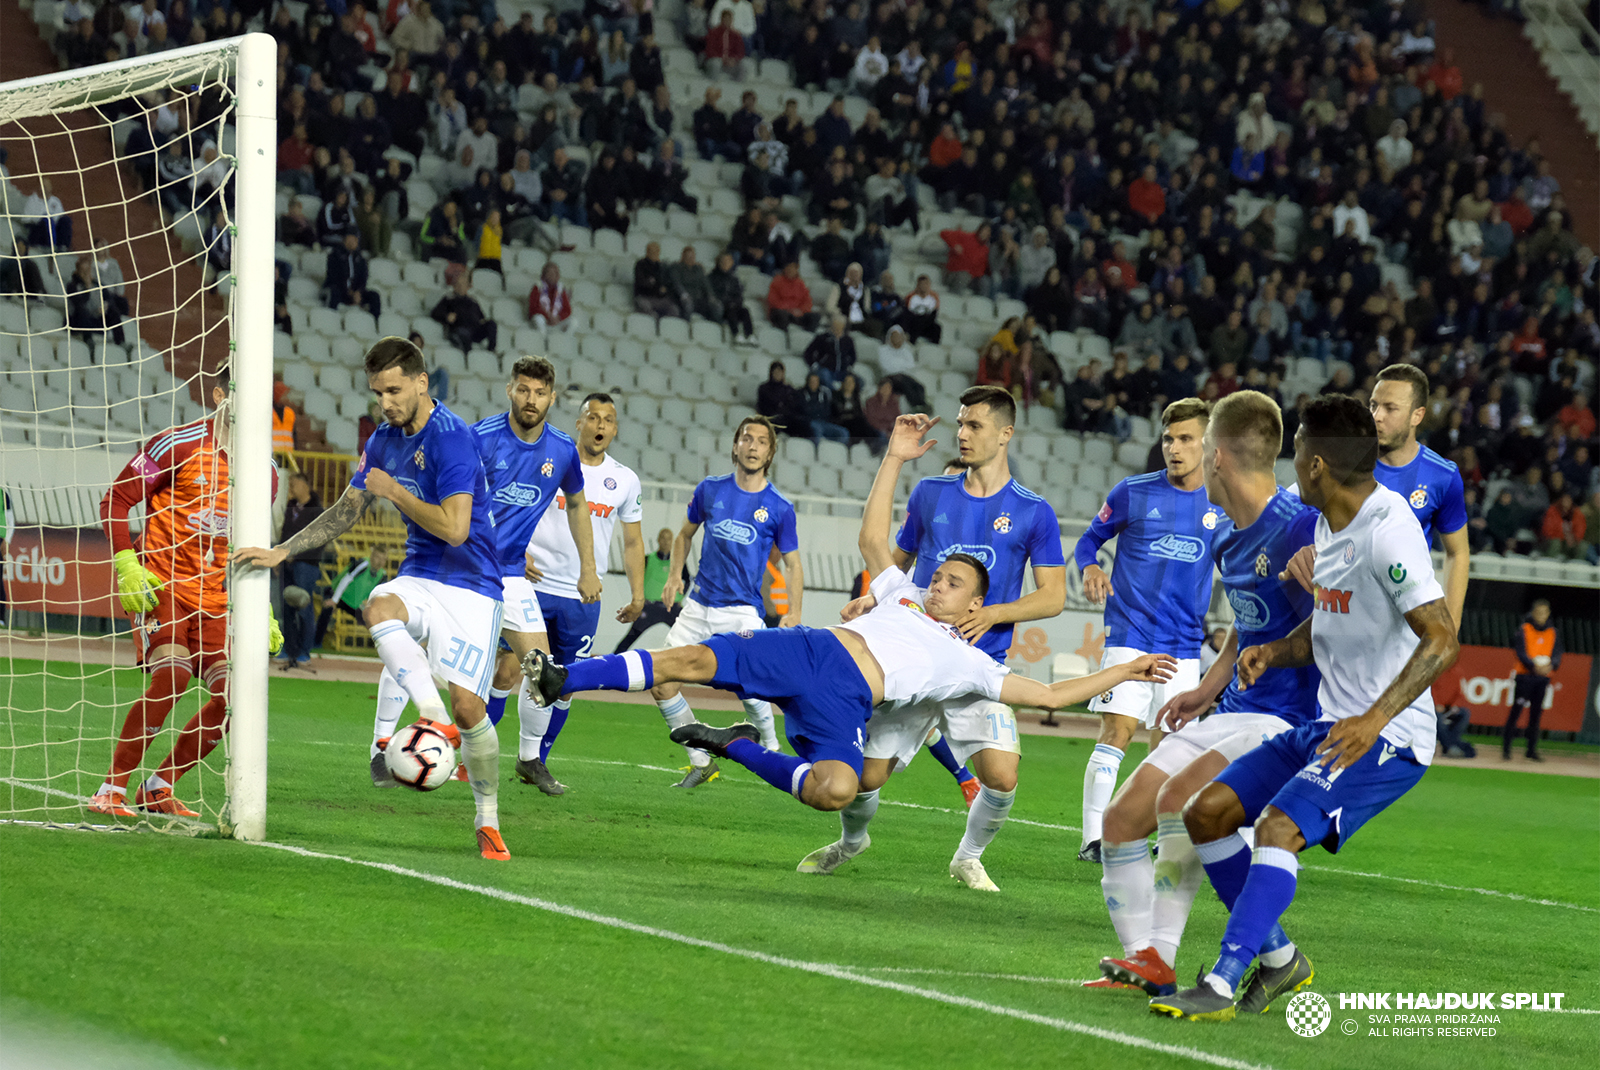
(940, 749)
(632, 671)
(783, 771)
(1228, 867)
(497, 706)
(558, 720)
(1267, 893)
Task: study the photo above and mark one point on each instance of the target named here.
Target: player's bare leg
(169, 666)
(533, 719)
(996, 771)
(1100, 778)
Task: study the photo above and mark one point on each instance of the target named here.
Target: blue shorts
(1285, 772)
(811, 677)
(571, 625)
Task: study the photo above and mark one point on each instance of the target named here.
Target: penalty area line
(841, 973)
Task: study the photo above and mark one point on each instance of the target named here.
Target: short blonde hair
(1252, 426)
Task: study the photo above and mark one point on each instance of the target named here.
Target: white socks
(1178, 872)
(1099, 781)
(853, 819)
(407, 662)
(676, 712)
(392, 699)
(760, 713)
(480, 750)
(533, 721)
(988, 813)
(1126, 876)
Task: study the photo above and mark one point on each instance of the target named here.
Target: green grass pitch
(230, 955)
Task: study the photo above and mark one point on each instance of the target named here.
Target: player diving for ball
(983, 512)
(424, 459)
(556, 567)
(906, 650)
(1380, 632)
(1149, 900)
(745, 518)
(1164, 526)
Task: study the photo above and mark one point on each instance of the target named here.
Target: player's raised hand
(1097, 585)
(257, 557)
(1251, 664)
(1349, 739)
(857, 606)
(531, 570)
(590, 587)
(630, 612)
(905, 440)
(1181, 709)
(1151, 668)
(977, 621)
(1299, 567)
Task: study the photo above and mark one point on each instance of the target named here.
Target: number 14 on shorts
(1002, 726)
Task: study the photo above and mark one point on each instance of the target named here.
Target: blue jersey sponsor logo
(1250, 611)
(983, 553)
(410, 484)
(734, 531)
(520, 494)
(1178, 548)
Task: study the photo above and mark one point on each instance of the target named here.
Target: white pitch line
(841, 973)
(83, 800)
(1455, 888)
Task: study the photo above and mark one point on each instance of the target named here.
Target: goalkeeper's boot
(1202, 1003)
(714, 740)
(112, 802)
(533, 771)
(1090, 852)
(825, 860)
(969, 790)
(699, 774)
(381, 777)
(161, 801)
(491, 846)
(545, 675)
(1144, 969)
(970, 871)
(1267, 983)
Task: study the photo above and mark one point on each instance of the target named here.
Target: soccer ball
(419, 756)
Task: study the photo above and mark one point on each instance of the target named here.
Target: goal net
(136, 276)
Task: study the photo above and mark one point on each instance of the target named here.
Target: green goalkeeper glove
(138, 586)
(274, 633)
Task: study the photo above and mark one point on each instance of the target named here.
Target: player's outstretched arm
(1181, 709)
(334, 521)
(1017, 690)
(680, 555)
(1432, 623)
(582, 528)
(633, 562)
(877, 516)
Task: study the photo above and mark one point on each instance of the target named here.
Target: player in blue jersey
(1379, 633)
(744, 517)
(986, 514)
(423, 459)
(1149, 900)
(1164, 525)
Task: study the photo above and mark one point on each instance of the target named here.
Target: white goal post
(46, 106)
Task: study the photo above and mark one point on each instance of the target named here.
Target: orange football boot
(111, 802)
(491, 846)
(161, 801)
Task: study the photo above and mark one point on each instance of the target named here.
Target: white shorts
(697, 623)
(461, 629)
(522, 606)
(1137, 699)
(1229, 734)
(968, 726)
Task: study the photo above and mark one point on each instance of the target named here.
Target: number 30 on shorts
(1002, 725)
(463, 657)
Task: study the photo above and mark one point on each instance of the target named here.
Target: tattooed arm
(1291, 651)
(334, 521)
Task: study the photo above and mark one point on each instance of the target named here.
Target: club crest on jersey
(1397, 573)
(610, 484)
(1350, 554)
(1002, 523)
(1209, 521)
(746, 634)
(1263, 565)
(548, 468)
(1419, 498)
(761, 515)
(418, 459)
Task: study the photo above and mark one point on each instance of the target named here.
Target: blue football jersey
(1266, 608)
(1431, 485)
(740, 530)
(436, 463)
(1005, 531)
(1162, 575)
(523, 479)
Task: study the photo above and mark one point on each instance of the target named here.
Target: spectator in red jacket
(789, 299)
(996, 368)
(1146, 197)
(967, 267)
(1576, 417)
(549, 303)
(1127, 275)
(1563, 529)
(1445, 74)
(725, 49)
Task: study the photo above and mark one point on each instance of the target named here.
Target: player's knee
(875, 773)
(1172, 797)
(828, 788)
(998, 779)
(1116, 731)
(1274, 828)
(1205, 815)
(381, 608)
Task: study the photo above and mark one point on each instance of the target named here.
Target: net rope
(114, 315)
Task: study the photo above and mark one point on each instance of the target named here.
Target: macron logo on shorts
(1333, 601)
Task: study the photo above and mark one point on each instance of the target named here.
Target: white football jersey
(613, 493)
(1368, 577)
(921, 658)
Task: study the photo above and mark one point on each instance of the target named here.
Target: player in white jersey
(1380, 633)
(613, 493)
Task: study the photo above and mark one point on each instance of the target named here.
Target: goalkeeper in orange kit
(174, 587)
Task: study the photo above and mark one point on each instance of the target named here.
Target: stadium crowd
(1225, 190)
